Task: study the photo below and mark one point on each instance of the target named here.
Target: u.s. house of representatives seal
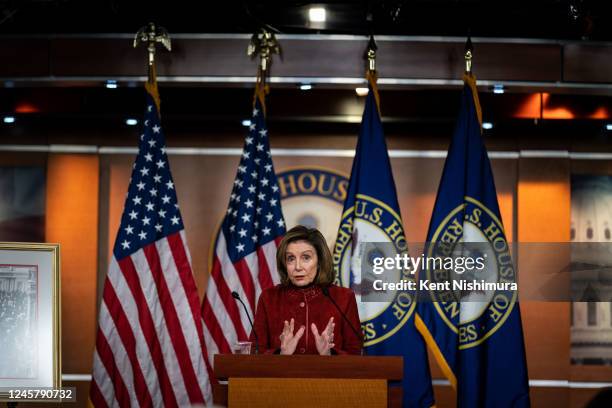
(472, 312)
(313, 196)
(368, 230)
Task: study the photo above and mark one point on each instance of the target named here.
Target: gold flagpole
(151, 36)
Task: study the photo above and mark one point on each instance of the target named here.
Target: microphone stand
(325, 291)
(236, 296)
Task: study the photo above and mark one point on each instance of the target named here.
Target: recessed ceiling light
(305, 87)
(246, 122)
(316, 14)
(9, 119)
(487, 125)
(131, 122)
(361, 91)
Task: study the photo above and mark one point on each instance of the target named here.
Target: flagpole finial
(469, 53)
(370, 55)
(371, 75)
(151, 35)
(264, 44)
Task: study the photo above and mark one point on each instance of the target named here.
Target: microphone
(325, 290)
(236, 296)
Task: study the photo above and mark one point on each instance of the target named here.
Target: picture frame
(590, 237)
(30, 325)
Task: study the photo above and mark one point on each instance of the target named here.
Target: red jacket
(307, 306)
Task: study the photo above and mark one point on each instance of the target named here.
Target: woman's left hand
(325, 340)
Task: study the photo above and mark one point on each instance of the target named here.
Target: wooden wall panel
(544, 397)
(445, 396)
(314, 56)
(543, 216)
(598, 55)
(24, 57)
(446, 60)
(72, 221)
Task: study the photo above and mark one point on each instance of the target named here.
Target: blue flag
(476, 336)
(372, 214)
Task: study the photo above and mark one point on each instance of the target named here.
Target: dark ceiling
(61, 105)
(549, 19)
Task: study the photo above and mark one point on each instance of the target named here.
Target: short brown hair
(325, 268)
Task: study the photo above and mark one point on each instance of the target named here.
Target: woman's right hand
(288, 339)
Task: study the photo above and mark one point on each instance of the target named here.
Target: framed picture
(591, 269)
(29, 317)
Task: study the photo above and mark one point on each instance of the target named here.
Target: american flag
(245, 253)
(150, 346)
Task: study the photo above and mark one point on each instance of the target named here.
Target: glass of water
(242, 347)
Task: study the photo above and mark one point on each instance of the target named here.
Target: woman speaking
(299, 316)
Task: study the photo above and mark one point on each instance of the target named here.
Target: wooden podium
(307, 381)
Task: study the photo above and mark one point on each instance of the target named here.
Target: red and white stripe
(150, 346)
(225, 322)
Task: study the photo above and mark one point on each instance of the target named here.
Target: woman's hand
(289, 340)
(325, 340)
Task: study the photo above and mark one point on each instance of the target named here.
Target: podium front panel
(306, 392)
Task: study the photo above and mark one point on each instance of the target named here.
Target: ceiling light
(498, 89)
(131, 122)
(111, 84)
(305, 87)
(9, 119)
(316, 14)
(487, 125)
(246, 122)
(361, 91)
(26, 107)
